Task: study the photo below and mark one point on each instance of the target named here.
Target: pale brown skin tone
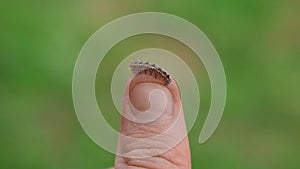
(143, 150)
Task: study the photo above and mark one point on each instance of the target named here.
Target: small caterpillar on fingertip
(139, 67)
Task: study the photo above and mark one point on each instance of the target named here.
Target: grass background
(259, 45)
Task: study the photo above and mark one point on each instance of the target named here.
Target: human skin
(146, 143)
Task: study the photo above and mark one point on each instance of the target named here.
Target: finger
(152, 131)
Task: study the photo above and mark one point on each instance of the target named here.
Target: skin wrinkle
(176, 150)
(142, 141)
(136, 129)
(148, 162)
(144, 144)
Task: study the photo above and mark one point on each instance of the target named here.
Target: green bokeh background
(259, 45)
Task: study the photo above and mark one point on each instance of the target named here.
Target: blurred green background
(259, 45)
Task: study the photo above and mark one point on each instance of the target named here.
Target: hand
(159, 144)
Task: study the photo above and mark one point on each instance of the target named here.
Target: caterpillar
(139, 67)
